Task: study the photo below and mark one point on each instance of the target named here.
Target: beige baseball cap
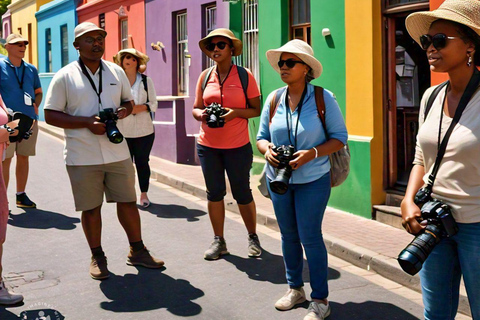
(86, 27)
(14, 38)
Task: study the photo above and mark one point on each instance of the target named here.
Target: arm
(410, 211)
(198, 106)
(125, 109)
(66, 121)
(38, 91)
(151, 105)
(252, 111)
(264, 143)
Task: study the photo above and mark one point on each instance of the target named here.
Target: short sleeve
(126, 88)
(418, 159)
(264, 128)
(57, 94)
(252, 89)
(36, 79)
(152, 95)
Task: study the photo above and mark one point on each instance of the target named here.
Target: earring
(469, 62)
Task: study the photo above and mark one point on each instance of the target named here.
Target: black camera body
(109, 117)
(284, 153)
(24, 127)
(440, 224)
(214, 111)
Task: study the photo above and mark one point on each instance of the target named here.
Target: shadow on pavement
(150, 290)
(41, 219)
(269, 267)
(41, 314)
(173, 211)
(369, 310)
(7, 315)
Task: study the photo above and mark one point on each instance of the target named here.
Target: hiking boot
(217, 248)
(291, 299)
(254, 249)
(8, 298)
(143, 258)
(24, 202)
(317, 311)
(98, 268)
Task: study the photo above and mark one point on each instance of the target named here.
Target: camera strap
(85, 72)
(288, 111)
(467, 95)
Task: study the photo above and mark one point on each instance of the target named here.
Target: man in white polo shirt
(95, 165)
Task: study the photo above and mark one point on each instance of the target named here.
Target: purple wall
(175, 142)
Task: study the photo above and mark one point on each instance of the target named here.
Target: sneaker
(8, 298)
(24, 202)
(254, 249)
(217, 248)
(317, 311)
(98, 268)
(143, 258)
(291, 299)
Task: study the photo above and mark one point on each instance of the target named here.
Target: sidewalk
(365, 243)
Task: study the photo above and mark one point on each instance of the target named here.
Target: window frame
(123, 44)
(48, 50)
(64, 45)
(250, 56)
(209, 24)
(181, 45)
(306, 27)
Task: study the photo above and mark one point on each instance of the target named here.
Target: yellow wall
(23, 13)
(42, 2)
(363, 36)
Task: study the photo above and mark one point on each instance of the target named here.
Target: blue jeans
(299, 214)
(441, 272)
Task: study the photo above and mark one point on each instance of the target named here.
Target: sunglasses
(439, 41)
(211, 46)
(289, 63)
(91, 40)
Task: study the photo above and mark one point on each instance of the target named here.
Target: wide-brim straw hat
(466, 12)
(222, 32)
(141, 58)
(299, 48)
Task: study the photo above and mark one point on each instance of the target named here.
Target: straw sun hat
(221, 32)
(141, 58)
(299, 48)
(466, 12)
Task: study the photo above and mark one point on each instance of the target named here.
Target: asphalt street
(46, 258)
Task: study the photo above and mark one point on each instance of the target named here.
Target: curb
(361, 257)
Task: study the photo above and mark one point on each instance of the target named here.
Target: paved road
(46, 257)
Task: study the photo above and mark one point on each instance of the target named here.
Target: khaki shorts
(89, 183)
(26, 147)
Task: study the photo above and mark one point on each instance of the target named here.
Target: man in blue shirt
(21, 91)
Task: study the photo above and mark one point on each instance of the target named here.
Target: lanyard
(85, 72)
(288, 111)
(20, 82)
(222, 82)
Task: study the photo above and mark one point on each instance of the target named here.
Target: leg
(92, 226)
(21, 172)
(310, 203)
(216, 212)
(142, 154)
(249, 216)
(468, 241)
(130, 220)
(6, 170)
(440, 280)
(284, 207)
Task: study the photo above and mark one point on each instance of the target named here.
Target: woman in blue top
(300, 209)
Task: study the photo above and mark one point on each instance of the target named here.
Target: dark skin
(453, 60)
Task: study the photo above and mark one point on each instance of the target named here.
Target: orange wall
(135, 10)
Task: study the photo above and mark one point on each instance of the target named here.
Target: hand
(122, 112)
(411, 215)
(301, 157)
(95, 126)
(230, 115)
(270, 156)
(35, 107)
(204, 116)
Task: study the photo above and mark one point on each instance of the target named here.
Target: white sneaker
(290, 299)
(317, 311)
(8, 298)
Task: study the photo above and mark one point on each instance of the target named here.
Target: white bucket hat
(466, 12)
(299, 48)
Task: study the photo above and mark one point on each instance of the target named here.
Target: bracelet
(316, 152)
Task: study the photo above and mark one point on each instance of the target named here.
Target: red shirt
(234, 133)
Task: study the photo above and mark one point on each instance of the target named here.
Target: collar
(7, 60)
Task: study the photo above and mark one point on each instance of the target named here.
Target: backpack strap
(207, 77)
(243, 75)
(320, 102)
(145, 86)
(275, 102)
(432, 97)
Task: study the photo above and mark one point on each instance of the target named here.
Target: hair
(122, 57)
(309, 77)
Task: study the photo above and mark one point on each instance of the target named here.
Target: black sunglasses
(439, 41)
(211, 46)
(289, 63)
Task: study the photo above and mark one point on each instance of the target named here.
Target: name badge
(27, 98)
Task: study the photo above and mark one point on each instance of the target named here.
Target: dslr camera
(284, 153)
(24, 126)
(440, 224)
(214, 111)
(109, 117)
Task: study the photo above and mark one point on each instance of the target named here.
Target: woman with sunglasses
(450, 36)
(300, 209)
(138, 127)
(227, 148)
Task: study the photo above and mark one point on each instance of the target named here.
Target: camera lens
(279, 185)
(113, 133)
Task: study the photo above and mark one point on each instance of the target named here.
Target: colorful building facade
(6, 24)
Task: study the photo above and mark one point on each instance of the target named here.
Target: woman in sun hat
(300, 209)
(138, 127)
(227, 148)
(450, 36)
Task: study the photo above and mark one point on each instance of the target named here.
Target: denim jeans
(299, 214)
(441, 272)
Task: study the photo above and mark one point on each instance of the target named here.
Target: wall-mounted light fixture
(326, 32)
(157, 46)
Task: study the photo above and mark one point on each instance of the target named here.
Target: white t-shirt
(71, 92)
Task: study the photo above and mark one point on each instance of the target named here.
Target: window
(391, 3)
(300, 20)
(48, 49)
(210, 15)
(124, 34)
(250, 37)
(64, 41)
(101, 20)
(182, 54)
